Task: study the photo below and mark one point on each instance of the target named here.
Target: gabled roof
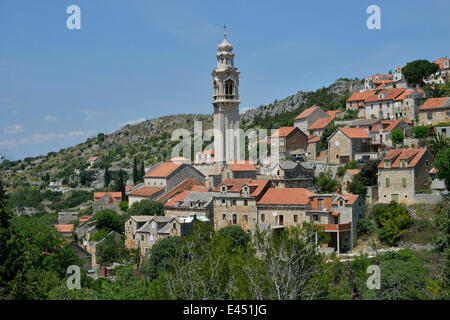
(360, 96)
(145, 191)
(178, 198)
(321, 123)
(355, 133)
(235, 185)
(286, 196)
(313, 138)
(348, 198)
(185, 185)
(307, 112)
(353, 171)
(92, 159)
(164, 170)
(386, 95)
(116, 195)
(64, 227)
(412, 156)
(440, 62)
(436, 103)
(334, 113)
(284, 131)
(241, 166)
(390, 125)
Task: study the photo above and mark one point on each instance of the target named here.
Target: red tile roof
(257, 186)
(355, 133)
(288, 196)
(145, 191)
(321, 123)
(115, 195)
(440, 62)
(313, 138)
(64, 227)
(128, 188)
(412, 156)
(164, 170)
(241, 166)
(404, 95)
(92, 159)
(333, 113)
(185, 185)
(178, 198)
(436, 103)
(349, 198)
(307, 112)
(200, 188)
(386, 95)
(360, 96)
(353, 171)
(284, 131)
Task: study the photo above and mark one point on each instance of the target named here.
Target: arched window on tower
(229, 84)
(216, 89)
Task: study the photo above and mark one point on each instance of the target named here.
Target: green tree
(146, 207)
(238, 236)
(120, 182)
(420, 132)
(107, 176)
(112, 250)
(392, 221)
(135, 172)
(159, 256)
(439, 142)
(326, 183)
(109, 220)
(142, 173)
(123, 205)
(397, 136)
(416, 71)
(442, 164)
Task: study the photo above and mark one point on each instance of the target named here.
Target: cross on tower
(224, 30)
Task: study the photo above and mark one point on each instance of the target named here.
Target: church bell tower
(226, 104)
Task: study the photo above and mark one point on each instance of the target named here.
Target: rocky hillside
(150, 139)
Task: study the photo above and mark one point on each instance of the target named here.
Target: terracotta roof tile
(353, 171)
(257, 186)
(284, 131)
(436, 103)
(386, 95)
(288, 196)
(244, 166)
(91, 159)
(164, 170)
(178, 198)
(321, 123)
(185, 185)
(64, 227)
(360, 96)
(396, 155)
(313, 138)
(307, 112)
(349, 198)
(355, 133)
(145, 191)
(115, 195)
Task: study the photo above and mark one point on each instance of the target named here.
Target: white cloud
(91, 114)
(132, 122)
(50, 119)
(14, 110)
(13, 129)
(79, 133)
(41, 138)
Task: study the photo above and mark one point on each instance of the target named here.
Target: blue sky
(141, 59)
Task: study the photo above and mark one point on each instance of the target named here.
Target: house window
(234, 218)
(224, 202)
(245, 218)
(341, 203)
(245, 202)
(320, 204)
(151, 237)
(281, 219)
(387, 163)
(404, 182)
(263, 217)
(295, 218)
(388, 182)
(403, 163)
(426, 163)
(228, 175)
(134, 237)
(233, 202)
(224, 216)
(315, 217)
(142, 237)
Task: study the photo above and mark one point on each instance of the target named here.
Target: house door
(381, 138)
(394, 197)
(344, 159)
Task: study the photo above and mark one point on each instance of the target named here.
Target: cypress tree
(107, 176)
(135, 172)
(141, 178)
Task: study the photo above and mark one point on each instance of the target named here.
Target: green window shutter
(388, 182)
(404, 182)
(429, 115)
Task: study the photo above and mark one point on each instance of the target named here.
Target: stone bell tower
(226, 104)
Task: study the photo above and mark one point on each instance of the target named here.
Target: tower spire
(224, 31)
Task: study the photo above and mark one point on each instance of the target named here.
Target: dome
(225, 45)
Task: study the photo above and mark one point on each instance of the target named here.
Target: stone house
(308, 117)
(106, 200)
(435, 111)
(381, 133)
(313, 147)
(357, 102)
(93, 246)
(239, 170)
(143, 192)
(288, 174)
(348, 178)
(402, 173)
(406, 105)
(148, 230)
(372, 82)
(289, 140)
(279, 209)
(190, 203)
(66, 230)
(397, 73)
(169, 174)
(345, 144)
(381, 104)
(93, 160)
(442, 76)
(234, 202)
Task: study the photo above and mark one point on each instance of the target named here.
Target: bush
(238, 236)
(364, 227)
(146, 207)
(325, 183)
(109, 220)
(392, 221)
